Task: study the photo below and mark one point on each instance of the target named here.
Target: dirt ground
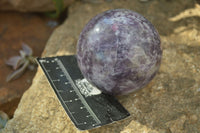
(15, 29)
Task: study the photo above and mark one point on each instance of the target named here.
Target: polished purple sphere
(119, 51)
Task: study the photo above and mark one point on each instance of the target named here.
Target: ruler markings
(59, 93)
(85, 112)
(78, 92)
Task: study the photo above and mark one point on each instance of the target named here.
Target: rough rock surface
(30, 5)
(169, 104)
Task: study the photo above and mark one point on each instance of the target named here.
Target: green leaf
(59, 9)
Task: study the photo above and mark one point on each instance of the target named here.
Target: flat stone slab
(169, 104)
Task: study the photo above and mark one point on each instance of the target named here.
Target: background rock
(30, 5)
(169, 104)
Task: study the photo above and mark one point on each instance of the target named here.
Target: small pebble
(52, 24)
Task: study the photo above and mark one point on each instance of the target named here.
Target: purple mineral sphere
(119, 51)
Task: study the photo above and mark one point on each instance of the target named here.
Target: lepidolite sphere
(119, 51)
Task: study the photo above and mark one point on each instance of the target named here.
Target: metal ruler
(86, 106)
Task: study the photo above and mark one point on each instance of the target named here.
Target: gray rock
(30, 5)
(168, 104)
